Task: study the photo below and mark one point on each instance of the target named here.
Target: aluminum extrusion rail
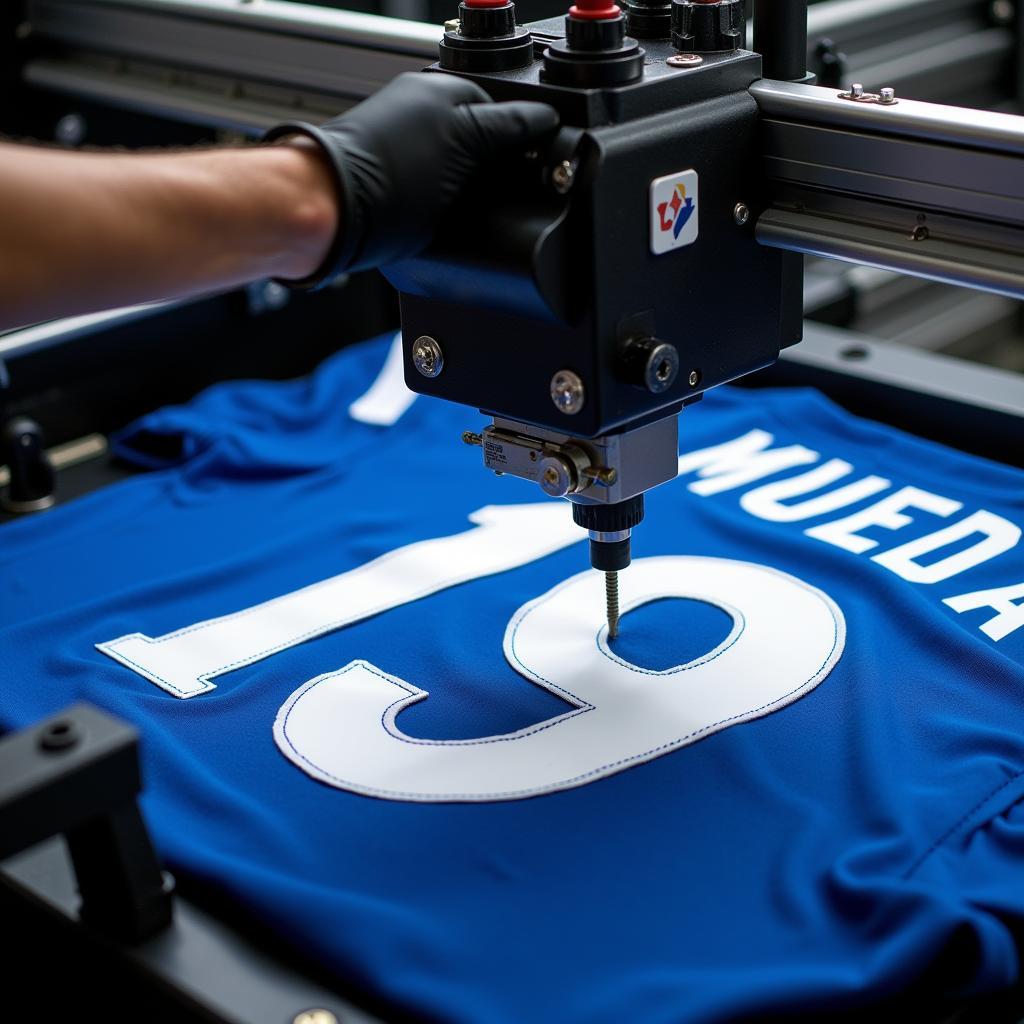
(922, 189)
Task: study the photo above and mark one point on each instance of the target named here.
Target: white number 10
(341, 728)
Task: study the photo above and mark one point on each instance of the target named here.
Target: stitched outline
(321, 775)
(739, 626)
(109, 647)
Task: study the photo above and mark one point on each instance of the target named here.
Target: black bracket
(77, 773)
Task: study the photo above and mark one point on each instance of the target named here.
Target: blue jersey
(379, 706)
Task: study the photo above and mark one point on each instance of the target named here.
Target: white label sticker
(674, 214)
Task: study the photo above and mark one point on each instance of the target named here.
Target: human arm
(86, 231)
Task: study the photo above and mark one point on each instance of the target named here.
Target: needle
(611, 590)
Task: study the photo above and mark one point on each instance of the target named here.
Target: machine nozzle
(611, 528)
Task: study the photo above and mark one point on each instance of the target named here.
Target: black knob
(486, 39)
(702, 27)
(596, 51)
(32, 482)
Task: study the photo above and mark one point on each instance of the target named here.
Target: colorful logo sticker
(673, 211)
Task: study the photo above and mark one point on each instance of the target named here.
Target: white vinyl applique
(342, 727)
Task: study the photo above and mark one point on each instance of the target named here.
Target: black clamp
(77, 773)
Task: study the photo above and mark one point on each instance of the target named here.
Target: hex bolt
(567, 392)
(887, 96)
(856, 91)
(427, 356)
(741, 214)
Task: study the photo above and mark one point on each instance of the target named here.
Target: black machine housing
(533, 273)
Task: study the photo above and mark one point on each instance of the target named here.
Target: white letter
(999, 535)
(887, 513)
(765, 501)
(343, 728)
(740, 461)
(1002, 600)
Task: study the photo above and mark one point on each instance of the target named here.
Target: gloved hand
(401, 157)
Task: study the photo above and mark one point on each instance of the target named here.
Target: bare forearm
(85, 231)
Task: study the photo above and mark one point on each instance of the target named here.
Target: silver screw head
(562, 175)
(317, 1016)
(887, 95)
(694, 378)
(1002, 11)
(70, 130)
(684, 60)
(567, 392)
(662, 368)
(556, 476)
(427, 356)
(856, 90)
(741, 213)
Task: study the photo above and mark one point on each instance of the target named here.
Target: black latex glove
(401, 158)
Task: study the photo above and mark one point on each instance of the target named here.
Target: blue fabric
(822, 856)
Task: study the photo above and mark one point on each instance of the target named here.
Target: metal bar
(956, 66)
(56, 332)
(329, 58)
(923, 189)
(932, 121)
(272, 16)
(780, 36)
(946, 262)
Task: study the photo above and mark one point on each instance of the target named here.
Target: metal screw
(562, 175)
(611, 597)
(887, 95)
(685, 60)
(694, 378)
(556, 476)
(567, 392)
(741, 213)
(319, 1016)
(427, 356)
(920, 233)
(1002, 12)
(856, 91)
(662, 368)
(70, 130)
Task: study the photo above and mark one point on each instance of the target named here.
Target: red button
(594, 10)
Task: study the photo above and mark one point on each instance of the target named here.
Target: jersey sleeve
(273, 425)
